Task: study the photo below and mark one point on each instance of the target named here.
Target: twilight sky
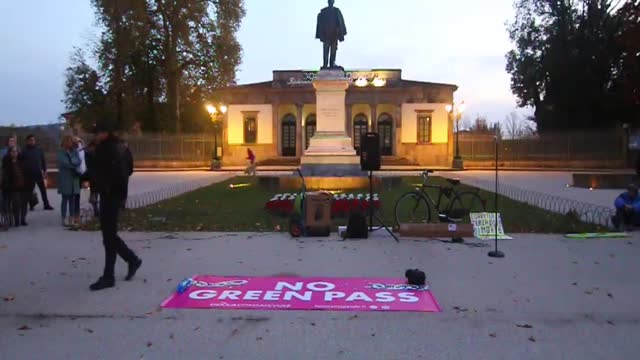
(461, 42)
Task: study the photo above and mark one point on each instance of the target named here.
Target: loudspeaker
(370, 157)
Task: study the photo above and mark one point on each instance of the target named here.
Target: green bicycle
(415, 207)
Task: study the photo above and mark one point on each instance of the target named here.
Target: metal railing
(588, 213)
(567, 146)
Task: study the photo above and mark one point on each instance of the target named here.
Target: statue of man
(330, 29)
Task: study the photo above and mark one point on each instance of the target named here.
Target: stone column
(374, 117)
(349, 120)
(299, 147)
(276, 127)
(397, 132)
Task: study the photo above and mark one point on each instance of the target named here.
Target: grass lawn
(221, 208)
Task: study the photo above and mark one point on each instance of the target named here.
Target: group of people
(21, 171)
(106, 163)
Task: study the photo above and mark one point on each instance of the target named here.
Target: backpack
(357, 227)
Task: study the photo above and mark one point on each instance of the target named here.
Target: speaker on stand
(370, 161)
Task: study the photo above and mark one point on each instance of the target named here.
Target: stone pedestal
(331, 151)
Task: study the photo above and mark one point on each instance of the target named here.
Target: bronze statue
(330, 29)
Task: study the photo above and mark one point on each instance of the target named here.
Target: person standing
(16, 186)
(111, 176)
(36, 168)
(68, 180)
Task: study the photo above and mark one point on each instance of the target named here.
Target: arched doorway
(385, 129)
(289, 135)
(360, 127)
(310, 129)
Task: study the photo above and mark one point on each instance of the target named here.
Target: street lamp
(217, 114)
(455, 113)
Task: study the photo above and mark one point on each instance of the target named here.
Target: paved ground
(579, 297)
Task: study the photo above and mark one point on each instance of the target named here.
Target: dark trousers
(113, 244)
(627, 217)
(329, 53)
(43, 190)
(16, 204)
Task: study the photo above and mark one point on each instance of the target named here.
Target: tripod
(372, 215)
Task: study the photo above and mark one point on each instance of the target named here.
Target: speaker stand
(496, 253)
(373, 216)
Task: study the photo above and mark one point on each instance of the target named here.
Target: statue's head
(331, 2)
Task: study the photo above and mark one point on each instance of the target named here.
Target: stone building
(277, 118)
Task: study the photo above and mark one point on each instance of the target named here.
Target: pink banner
(236, 293)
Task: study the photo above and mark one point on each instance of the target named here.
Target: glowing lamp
(362, 82)
(378, 82)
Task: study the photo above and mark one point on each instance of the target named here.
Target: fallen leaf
(524, 326)
(493, 335)
(575, 284)
(149, 343)
(610, 295)
(589, 292)
(169, 280)
(188, 249)
(197, 328)
(313, 324)
(532, 339)
(610, 323)
(373, 335)
(24, 327)
(89, 331)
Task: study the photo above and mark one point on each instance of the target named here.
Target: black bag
(33, 201)
(357, 227)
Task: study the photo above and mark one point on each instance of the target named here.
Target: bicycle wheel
(464, 204)
(412, 208)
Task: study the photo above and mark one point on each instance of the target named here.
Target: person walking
(16, 186)
(36, 168)
(129, 165)
(68, 180)
(111, 175)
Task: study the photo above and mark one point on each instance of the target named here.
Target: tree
(565, 62)
(84, 92)
(199, 46)
(159, 58)
(517, 128)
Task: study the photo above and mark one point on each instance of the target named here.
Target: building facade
(276, 119)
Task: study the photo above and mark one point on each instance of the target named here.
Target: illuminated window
(250, 128)
(310, 129)
(424, 128)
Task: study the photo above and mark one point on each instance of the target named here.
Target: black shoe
(24, 223)
(48, 207)
(133, 268)
(32, 208)
(102, 283)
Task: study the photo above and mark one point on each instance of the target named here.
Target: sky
(460, 42)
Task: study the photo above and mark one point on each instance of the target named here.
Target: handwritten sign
(484, 226)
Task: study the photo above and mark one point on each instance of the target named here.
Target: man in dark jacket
(36, 168)
(111, 176)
